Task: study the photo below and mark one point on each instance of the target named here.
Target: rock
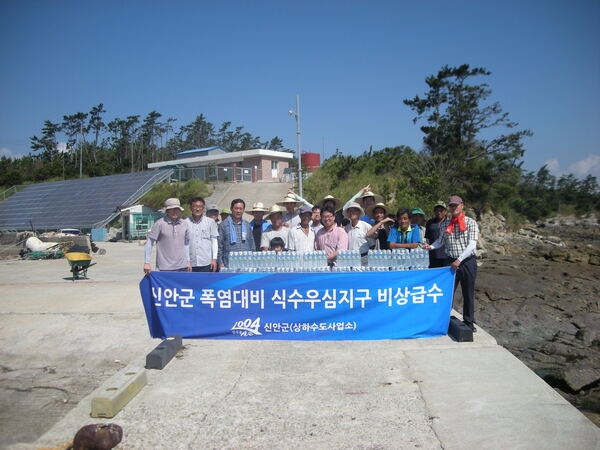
(98, 436)
(578, 378)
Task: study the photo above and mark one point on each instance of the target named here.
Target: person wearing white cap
(302, 238)
(172, 238)
(204, 236)
(276, 229)
(212, 211)
(357, 231)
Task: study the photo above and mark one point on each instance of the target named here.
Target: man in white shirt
(302, 238)
(357, 231)
(204, 236)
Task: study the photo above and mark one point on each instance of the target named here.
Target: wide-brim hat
(225, 211)
(330, 198)
(356, 206)
(378, 198)
(288, 200)
(172, 203)
(275, 209)
(371, 209)
(258, 207)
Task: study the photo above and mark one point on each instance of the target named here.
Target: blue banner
(299, 306)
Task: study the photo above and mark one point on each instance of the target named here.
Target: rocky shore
(538, 295)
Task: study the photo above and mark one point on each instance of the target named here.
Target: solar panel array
(85, 203)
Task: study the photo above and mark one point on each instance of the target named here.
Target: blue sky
(351, 62)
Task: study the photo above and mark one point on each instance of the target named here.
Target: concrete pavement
(425, 393)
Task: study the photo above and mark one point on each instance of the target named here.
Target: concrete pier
(394, 394)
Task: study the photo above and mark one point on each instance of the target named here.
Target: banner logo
(247, 327)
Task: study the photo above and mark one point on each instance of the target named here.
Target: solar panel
(85, 203)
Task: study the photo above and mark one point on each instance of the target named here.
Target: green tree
(458, 114)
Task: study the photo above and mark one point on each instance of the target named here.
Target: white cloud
(553, 166)
(62, 147)
(6, 152)
(588, 166)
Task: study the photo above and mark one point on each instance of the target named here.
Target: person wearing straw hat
(234, 233)
(276, 229)
(302, 238)
(258, 224)
(357, 231)
(437, 257)
(172, 237)
(379, 213)
(203, 238)
(290, 216)
(329, 201)
(365, 197)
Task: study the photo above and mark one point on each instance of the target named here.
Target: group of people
(204, 241)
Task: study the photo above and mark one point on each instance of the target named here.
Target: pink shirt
(331, 241)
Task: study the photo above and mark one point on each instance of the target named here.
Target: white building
(214, 164)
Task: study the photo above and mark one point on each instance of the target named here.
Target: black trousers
(465, 276)
(201, 268)
(439, 262)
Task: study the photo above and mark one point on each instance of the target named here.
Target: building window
(274, 165)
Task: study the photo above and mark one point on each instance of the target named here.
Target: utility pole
(296, 115)
(81, 153)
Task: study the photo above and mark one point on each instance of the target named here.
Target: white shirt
(357, 237)
(300, 241)
(203, 240)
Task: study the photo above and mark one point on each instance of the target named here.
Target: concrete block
(164, 352)
(113, 395)
(458, 331)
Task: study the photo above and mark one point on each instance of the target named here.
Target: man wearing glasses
(331, 238)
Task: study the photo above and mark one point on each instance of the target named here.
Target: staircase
(267, 193)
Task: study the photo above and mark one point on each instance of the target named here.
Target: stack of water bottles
(347, 260)
(419, 258)
(316, 261)
(269, 261)
(398, 259)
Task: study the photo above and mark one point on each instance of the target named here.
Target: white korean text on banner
(299, 306)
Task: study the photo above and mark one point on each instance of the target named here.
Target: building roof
(202, 151)
(221, 158)
(85, 203)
